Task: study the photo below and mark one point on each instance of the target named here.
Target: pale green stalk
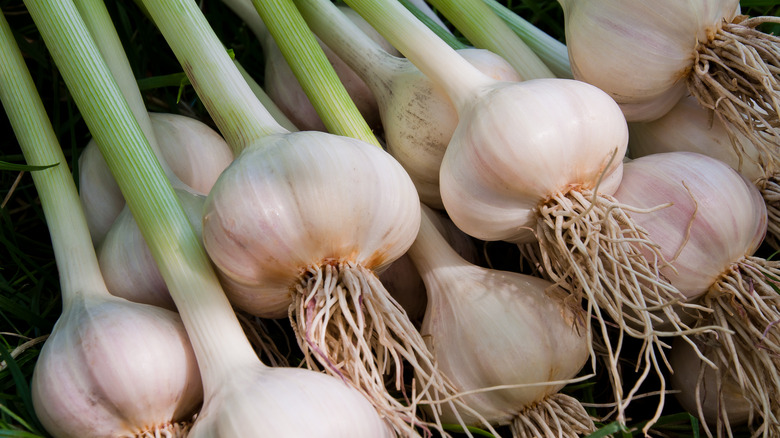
(553, 52)
(313, 70)
(265, 100)
(73, 251)
(423, 48)
(486, 30)
(101, 27)
(237, 112)
(214, 331)
(433, 25)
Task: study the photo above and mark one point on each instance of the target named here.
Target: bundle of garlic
(110, 367)
(703, 47)
(284, 250)
(506, 340)
(242, 397)
(710, 253)
(537, 161)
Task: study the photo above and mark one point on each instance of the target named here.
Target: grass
(29, 285)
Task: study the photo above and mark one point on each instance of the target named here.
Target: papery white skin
(403, 281)
(729, 221)
(488, 327)
(690, 127)
(609, 39)
(195, 153)
(286, 402)
(524, 142)
(128, 267)
(115, 368)
(273, 214)
(718, 395)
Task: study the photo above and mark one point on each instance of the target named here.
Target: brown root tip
(557, 416)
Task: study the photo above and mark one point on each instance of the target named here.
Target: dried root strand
(590, 246)
(770, 191)
(261, 340)
(557, 416)
(348, 325)
(737, 75)
(745, 301)
(170, 430)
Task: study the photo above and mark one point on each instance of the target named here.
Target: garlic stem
(433, 22)
(101, 27)
(365, 56)
(313, 70)
(240, 116)
(423, 48)
(486, 30)
(76, 260)
(553, 52)
(265, 100)
(213, 328)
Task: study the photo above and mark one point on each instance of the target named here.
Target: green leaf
(4, 165)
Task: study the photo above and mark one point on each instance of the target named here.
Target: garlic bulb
(418, 117)
(270, 239)
(293, 251)
(126, 263)
(713, 223)
(703, 392)
(196, 153)
(689, 127)
(699, 47)
(482, 323)
(115, 368)
(715, 218)
(286, 402)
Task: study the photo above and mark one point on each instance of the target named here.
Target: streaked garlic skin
(115, 368)
(194, 152)
(729, 221)
(660, 37)
(488, 328)
(571, 134)
(287, 402)
(126, 262)
(690, 127)
(273, 214)
(419, 118)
